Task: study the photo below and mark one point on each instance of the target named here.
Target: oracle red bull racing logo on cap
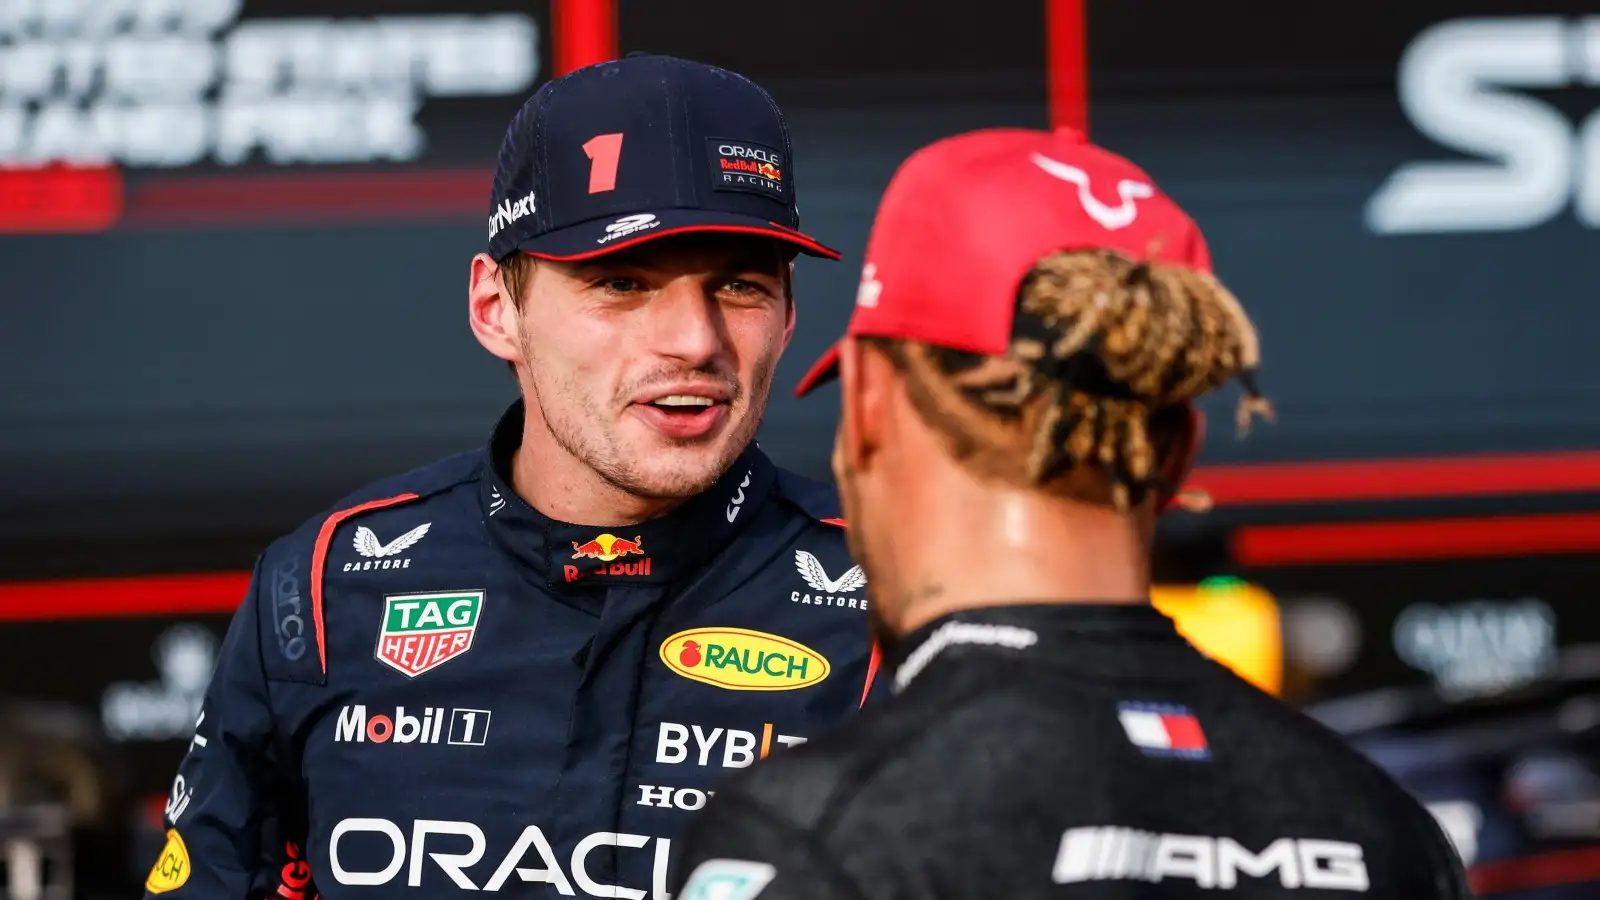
(744, 166)
(425, 631)
(738, 659)
(609, 549)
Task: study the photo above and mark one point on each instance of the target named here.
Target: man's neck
(1019, 548)
(557, 484)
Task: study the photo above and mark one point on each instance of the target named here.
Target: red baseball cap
(965, 218)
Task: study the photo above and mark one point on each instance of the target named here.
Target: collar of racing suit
(1105, 638)
(577, 559)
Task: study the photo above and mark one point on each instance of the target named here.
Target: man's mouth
(682, 402)
(684, 416)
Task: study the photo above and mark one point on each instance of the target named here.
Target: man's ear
(490, 310)
(866, 386)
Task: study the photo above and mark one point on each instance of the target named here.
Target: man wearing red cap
(1034, 322)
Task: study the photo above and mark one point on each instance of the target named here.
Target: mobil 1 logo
(422, 725)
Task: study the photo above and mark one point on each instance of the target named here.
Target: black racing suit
(1067, 751)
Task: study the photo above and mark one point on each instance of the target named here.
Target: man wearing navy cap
(521, 668)
(1034, 323)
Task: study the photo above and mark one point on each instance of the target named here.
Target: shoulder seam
(473, 473)
(319, 558)
(782, 481)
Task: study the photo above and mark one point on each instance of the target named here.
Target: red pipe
(1067, 57)
(584, 32)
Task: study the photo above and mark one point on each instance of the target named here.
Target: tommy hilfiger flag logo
(1163, 729)
(424, 631)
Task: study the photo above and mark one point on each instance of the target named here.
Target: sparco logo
(1108, 853)
(378, 853)
(627, 225)
(736, 505)
(288, 624)
(510, 210)
(1458, 84)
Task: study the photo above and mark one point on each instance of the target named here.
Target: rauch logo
(738, 659)
(424, 631)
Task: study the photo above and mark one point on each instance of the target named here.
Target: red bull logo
(607, 547)
(744, 166)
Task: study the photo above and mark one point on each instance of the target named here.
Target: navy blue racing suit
(434, 688)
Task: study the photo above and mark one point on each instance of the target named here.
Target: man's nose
(687, 323)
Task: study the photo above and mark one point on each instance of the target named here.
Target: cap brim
(587, 240)
(825, 370)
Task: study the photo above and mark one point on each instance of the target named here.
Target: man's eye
(619, 285)
(740, 286)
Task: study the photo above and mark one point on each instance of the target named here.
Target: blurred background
(234, 238)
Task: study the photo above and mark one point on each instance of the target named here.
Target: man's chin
(677, 471)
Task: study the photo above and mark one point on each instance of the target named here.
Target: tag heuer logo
(424, 631)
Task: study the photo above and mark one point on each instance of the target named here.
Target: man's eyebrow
(766, 263)
(755, 260)
(621, 259)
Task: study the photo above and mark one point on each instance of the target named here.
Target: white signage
(168, 709)
(178, 82)
(1479, 647)
(1462, 84)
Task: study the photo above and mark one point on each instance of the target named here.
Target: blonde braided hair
(1101, 343)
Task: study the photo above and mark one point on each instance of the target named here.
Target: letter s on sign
(1451, 84)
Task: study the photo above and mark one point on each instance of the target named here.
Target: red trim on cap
(783, 234)
(1357, 542)
(106, 598)
(584, 32)
(1067, 55)
(1401, 479)
(319, 561)
(821, 372)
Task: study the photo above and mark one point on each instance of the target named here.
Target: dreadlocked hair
(1105, 352)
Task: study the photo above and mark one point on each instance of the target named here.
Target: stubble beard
(601, 450)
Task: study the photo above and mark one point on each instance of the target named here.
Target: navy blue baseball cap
(623, 152)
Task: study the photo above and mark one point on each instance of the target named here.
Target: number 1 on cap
(603, 150)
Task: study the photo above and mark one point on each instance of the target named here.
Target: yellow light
(1231, 621)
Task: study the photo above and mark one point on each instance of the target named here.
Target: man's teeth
(683, 400)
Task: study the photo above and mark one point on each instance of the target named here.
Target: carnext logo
(510, 210)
